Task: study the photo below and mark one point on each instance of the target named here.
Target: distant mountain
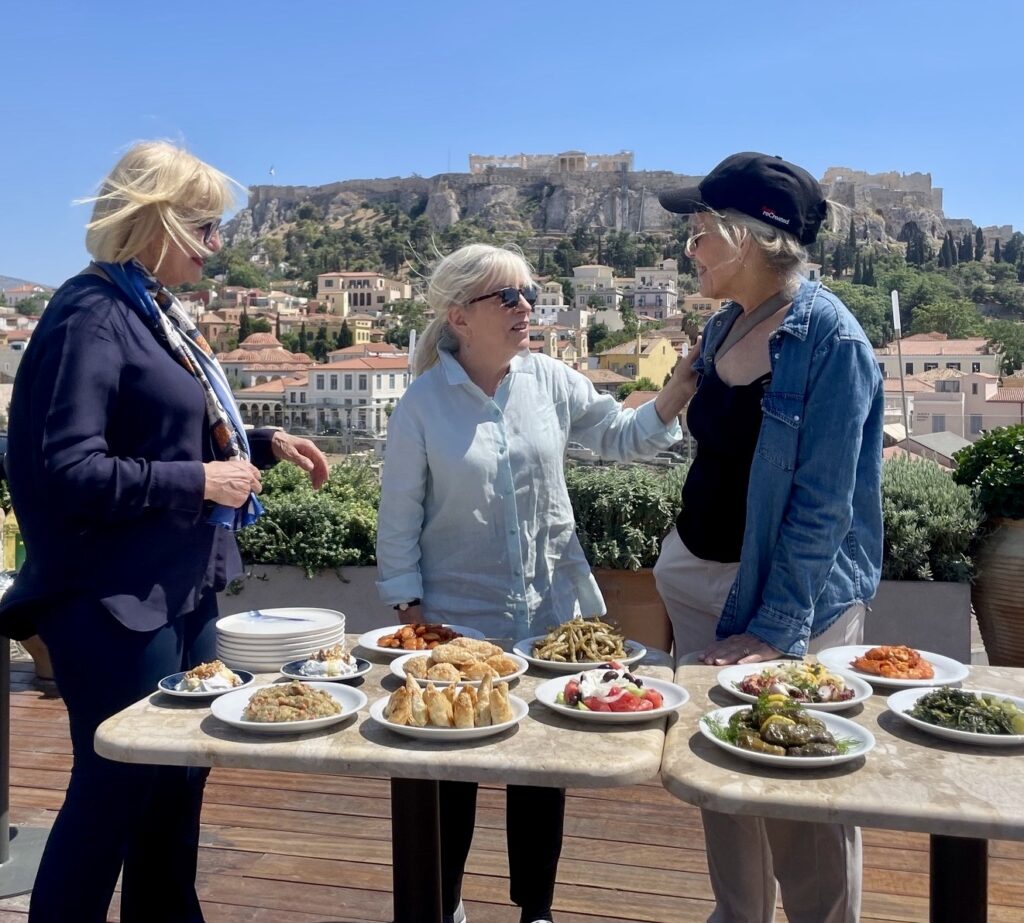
(12, 282)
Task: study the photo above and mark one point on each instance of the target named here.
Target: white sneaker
(458, 917)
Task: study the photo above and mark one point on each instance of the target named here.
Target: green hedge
(315, 530)
(929, 523)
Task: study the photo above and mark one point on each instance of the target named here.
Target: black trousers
(142, 818)
(534, 818)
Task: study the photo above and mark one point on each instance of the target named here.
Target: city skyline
(329, 92)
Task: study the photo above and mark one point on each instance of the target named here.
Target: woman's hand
(743, 648)
(229, 483)
(303, 453)
(673, 398)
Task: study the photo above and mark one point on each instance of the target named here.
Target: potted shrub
(622, 514)
(313, 548)
(994, 467)
(930, 522)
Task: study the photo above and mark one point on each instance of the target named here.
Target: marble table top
(544, 749)
(912, 780)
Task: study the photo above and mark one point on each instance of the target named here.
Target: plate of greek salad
(611, 694)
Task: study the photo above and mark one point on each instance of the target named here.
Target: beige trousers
(817, 866)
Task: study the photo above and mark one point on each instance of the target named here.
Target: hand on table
(743, 648)
(303, 453)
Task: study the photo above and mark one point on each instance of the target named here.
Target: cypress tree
(302, 338)
(858, 278)
(967, 250)
(837, 261)
(997, 252)
(979, 245)
(869, 271)
(945, 260)
(244, 326)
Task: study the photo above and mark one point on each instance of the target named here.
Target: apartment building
(594, 287)
(651, 356)
(965, 404)
(362, 292)
(925, 352)
(654, 290)
(348, 394)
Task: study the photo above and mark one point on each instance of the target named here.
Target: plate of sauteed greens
(780, 732)
(975, 716)
(811, 684)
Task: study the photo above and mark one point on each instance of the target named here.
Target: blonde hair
(473, 270)
(156, 191)
(782, 252)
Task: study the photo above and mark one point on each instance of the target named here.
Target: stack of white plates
(263, 639)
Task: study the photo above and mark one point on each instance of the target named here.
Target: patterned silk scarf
(172, 326)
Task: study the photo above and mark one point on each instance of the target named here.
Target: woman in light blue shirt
(475, 524)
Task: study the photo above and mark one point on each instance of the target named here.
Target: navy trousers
(142, 819)
(534, 818)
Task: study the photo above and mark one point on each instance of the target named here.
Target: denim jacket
(812, 544)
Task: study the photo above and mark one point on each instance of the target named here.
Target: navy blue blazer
(107, 439)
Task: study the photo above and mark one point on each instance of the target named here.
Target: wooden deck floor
(316, 848)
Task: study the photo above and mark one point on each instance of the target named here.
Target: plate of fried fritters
(462, 660)
(453, 713)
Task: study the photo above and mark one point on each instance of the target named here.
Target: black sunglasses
(208, 230)
(510, 296)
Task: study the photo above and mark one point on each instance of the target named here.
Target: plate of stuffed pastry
(462, 660)
(456, 712)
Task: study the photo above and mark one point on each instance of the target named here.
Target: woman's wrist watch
(401, 607)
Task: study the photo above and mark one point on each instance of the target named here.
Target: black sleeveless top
(725, 422)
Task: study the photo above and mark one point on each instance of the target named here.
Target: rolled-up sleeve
(602, 424)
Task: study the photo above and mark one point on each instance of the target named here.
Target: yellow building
(655, 361)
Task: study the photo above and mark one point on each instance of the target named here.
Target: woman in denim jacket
(779, 543)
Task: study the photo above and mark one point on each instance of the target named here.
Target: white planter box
(351, 590)
(932, 615)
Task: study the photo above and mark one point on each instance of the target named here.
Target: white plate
(673, 695)
(276, 649)
(335, 631)
(635, 651)
(398, 668)
(167, 684)
(947, 670)
(229, 707)
(902, 702)
(368, 641)
(280, 623)
(730, 676)
(291, 670)
(839, 727)
(519, 711)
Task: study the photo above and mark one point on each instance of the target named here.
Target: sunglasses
(208, 231)
(510, 296)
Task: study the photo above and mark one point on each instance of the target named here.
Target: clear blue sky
(363, 88)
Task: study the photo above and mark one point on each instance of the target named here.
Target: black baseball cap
(767, 188)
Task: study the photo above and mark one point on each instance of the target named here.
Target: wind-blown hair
(156, 191)
(473, 270)
(782, 252)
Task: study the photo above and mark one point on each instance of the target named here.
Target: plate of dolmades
(850, 740)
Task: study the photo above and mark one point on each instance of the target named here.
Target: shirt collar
(455, 374)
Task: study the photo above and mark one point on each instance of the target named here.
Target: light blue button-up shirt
(475, 518)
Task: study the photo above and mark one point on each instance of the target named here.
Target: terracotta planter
(999, 593)
(634, 604)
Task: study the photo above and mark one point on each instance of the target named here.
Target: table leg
(959, 880)
(416, 851)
